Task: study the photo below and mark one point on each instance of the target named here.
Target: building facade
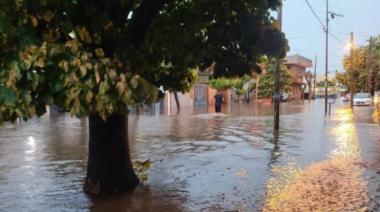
(297, 65)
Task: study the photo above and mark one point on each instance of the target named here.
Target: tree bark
(257, 87)
(303, 94)
(109, 168)
(177, 102)
(137, 109)
(309, 97)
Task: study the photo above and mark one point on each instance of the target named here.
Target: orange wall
(297, 73)
(212, 92)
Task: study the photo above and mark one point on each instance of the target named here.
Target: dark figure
(218, 101)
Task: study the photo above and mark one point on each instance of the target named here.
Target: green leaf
(145, 165)
(7, 95)
(48, 16)
(5, 24)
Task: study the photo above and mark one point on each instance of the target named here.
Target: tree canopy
(266, 81)
(360, 67)
(101, 56)
(237, 83)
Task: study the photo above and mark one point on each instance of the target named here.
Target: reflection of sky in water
(31, 144)
(30, 150)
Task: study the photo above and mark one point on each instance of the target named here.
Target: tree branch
(141, 20)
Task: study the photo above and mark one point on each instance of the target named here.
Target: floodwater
(204, 162)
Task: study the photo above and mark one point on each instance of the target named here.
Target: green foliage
(88, 57)
(140, 168)
(266, 82)
(360, 67)
(231, 83)
(221, 83)
(330, 83)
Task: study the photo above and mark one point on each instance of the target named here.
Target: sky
(307, 38)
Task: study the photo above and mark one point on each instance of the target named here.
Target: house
(297, 65)
(201, 94)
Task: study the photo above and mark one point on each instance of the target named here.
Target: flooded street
(204, 162)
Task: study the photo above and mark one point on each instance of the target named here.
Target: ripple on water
(200, 162)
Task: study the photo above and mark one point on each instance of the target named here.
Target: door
(200, 94)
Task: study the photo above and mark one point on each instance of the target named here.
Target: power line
(320, 21)
(342, 25)
(315, 14)
(356, 34)
(332, 35)
(303, 36)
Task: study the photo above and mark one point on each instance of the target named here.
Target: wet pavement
(205, 162)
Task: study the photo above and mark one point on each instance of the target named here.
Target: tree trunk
(109, 168)
(302, 95)
(137, 109)
(177, 102)
(257, 87)
(309, 97)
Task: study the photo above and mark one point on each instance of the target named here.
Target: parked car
(363, 99)
(284, 97)
(347, 97)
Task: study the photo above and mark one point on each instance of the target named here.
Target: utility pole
(277, 94)
(315, 74)
(352, 69)
(327, 54)
(370, 66)
(333, 15)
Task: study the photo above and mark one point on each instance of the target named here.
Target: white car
(363, 99)
(285, 97)
(347, 97)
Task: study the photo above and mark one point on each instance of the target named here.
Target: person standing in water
(219, 99)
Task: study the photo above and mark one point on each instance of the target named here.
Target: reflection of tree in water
(144, 198)
(217, 127)
(195, 129)
(176, 129)
(64, 137)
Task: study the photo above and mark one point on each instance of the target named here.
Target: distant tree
(309, 78)
(221, 83)
(329, 83)
(240, 84)
(360, 67)
(266, 81)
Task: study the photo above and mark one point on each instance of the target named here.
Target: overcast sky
(306, 36)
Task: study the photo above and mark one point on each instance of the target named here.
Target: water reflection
(335, 184)
(276, 148)
(201, 161)
(346, 137)
(32, 144)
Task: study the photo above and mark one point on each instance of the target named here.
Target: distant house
(297, 65)
(201, 94)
